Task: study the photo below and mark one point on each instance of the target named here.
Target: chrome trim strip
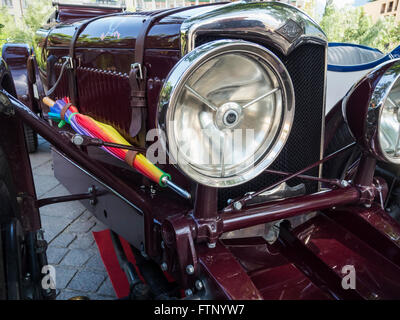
(323, 118)
(255, 21)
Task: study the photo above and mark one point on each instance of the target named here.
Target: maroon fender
(16, 56)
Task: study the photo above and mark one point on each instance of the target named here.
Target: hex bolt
(344, 183)
(237, 205)
(77, 139)
(188, 292)
(164, 266)
(199, 285)
(189, 269)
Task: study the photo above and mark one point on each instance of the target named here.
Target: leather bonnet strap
(148, 23)
(64, 110)
(130, 157)
(138, 74)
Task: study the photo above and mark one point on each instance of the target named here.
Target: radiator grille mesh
(306, 67)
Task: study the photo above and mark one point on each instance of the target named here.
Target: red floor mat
(107, 253)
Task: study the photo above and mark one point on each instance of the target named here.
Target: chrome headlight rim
(186, 67)
(376, 107)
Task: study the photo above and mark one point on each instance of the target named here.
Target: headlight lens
(389, 124)
(227, 108)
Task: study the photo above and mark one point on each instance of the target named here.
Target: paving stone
(83, 241)
(55, 255)
(46, 169)
(44, 184)
(64, 276)
(63, 240)
(71, 211)
(86, 281)
(106, 289)
(95, 263)
(41, 156)
(86, 216)
(79, 268)
(77, 257)
(81, 226)
(53, 226)
(60, 190)
(99, 226)
(50, 235)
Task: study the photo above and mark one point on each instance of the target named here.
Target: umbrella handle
(48, 102)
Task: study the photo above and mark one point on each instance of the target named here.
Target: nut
(188, 292)
(189, 269)
(237, 205)
(164, 266)
(199, 285)
(211, 245)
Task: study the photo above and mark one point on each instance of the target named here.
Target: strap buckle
(138, 66)
(69, 61)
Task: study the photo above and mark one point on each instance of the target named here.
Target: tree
(23, 31)
(354, 26)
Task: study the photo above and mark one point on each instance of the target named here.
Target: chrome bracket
(138, 66)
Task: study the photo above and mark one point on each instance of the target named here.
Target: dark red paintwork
(71, 13)
(16, 55)
(305, 262)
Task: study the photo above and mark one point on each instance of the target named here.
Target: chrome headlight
(226, 108)
(389, 121)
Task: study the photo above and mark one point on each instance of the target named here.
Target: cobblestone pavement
(68, 230)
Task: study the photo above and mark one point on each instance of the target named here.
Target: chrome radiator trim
(275, 24)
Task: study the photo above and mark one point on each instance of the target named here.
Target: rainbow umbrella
(64, 112)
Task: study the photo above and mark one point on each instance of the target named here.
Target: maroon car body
(335, 224)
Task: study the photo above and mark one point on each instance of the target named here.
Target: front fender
(16, 57)
(6, 80)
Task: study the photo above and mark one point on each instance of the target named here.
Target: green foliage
(23, 29)
(354, 26)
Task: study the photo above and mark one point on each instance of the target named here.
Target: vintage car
(147, 112)
(348, 63)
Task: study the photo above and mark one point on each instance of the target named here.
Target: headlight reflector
(227, 108)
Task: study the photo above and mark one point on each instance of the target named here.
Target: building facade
(383, 8)
(15, 7)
